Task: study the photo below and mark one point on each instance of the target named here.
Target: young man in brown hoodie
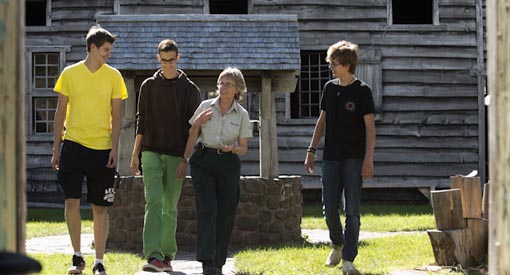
(167, 101)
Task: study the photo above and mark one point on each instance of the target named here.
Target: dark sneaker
(78, 265)
(167, 265)
(99, 269)
(154, 265)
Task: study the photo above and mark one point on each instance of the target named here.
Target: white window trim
(62, 50)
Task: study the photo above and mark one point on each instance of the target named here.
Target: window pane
(40, 58)
(53, 58)
(40, 128)
(40, 83)
(40, 71)
(52, 70)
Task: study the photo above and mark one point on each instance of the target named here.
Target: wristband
(185, 159)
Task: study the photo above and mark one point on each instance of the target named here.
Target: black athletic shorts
(78, 162)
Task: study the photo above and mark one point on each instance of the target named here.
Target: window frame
(32, 92)
(435, 15)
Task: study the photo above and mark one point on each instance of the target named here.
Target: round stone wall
(269, 213)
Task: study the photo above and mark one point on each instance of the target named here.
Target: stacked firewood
(461, 213)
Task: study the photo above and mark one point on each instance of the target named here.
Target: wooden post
(498, 58)
(471, 195)
(268, 143)
(485, 201)
(12, 123)
(127, 135)
(448, 209)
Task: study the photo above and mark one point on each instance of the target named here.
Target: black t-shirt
(345, 127)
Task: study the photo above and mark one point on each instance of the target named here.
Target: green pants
(162, 192)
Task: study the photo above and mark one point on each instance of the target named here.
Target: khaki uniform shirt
(226, 129)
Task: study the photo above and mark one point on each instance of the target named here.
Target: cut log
(485, 201)
(467, 246)
(471, 195)
(447, 209)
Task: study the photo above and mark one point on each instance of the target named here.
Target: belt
(201, 146)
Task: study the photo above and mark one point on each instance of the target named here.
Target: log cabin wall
(428, 129)
(429, 117)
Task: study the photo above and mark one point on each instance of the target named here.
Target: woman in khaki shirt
(223, 127)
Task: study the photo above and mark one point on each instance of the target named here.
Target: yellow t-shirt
(88, 118)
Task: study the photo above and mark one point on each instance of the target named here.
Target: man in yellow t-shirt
(90, 93)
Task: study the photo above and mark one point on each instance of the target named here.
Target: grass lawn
(376, 256)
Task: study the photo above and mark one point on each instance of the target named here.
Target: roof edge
(198, 17)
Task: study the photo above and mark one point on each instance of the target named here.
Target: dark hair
(344, 52)
(98, 36)
(168, 45)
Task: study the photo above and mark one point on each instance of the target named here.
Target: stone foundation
(269, 213)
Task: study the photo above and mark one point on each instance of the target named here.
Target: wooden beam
(12, 125)
(127, 135)
(498, 25)
(268, 143)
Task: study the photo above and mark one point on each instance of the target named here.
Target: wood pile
(461, 237)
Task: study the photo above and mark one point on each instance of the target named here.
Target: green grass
(378, 218)
(48, 222)
(376, 256)
(123, 263)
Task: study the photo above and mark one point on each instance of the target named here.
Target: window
(45, 70)
(418, 12)
(228, 6)
(315, 72)
(36, 12)
(44, 65)
(43, 111)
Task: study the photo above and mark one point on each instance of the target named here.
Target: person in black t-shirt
(349, 131)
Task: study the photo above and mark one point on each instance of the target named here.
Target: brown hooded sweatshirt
(164, 108)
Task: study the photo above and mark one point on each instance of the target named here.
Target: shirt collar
(235, 104)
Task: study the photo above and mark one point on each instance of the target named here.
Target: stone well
(269, 213)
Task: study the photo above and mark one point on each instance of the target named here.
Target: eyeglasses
(169, 61)
(225, 84)
(333, 65)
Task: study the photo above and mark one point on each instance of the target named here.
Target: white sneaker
(334, 256)
(348, 268)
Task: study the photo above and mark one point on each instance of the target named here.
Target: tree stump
(448, 209)
(466, 246)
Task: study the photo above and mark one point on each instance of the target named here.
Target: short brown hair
(168, 45)
(344, 52)
(98, 36)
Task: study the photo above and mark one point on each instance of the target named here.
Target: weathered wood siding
(70, 21)
(429, 127)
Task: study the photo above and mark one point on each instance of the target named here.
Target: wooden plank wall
(70, 21)
(429, 127)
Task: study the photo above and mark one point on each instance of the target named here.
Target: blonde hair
(236, 75)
